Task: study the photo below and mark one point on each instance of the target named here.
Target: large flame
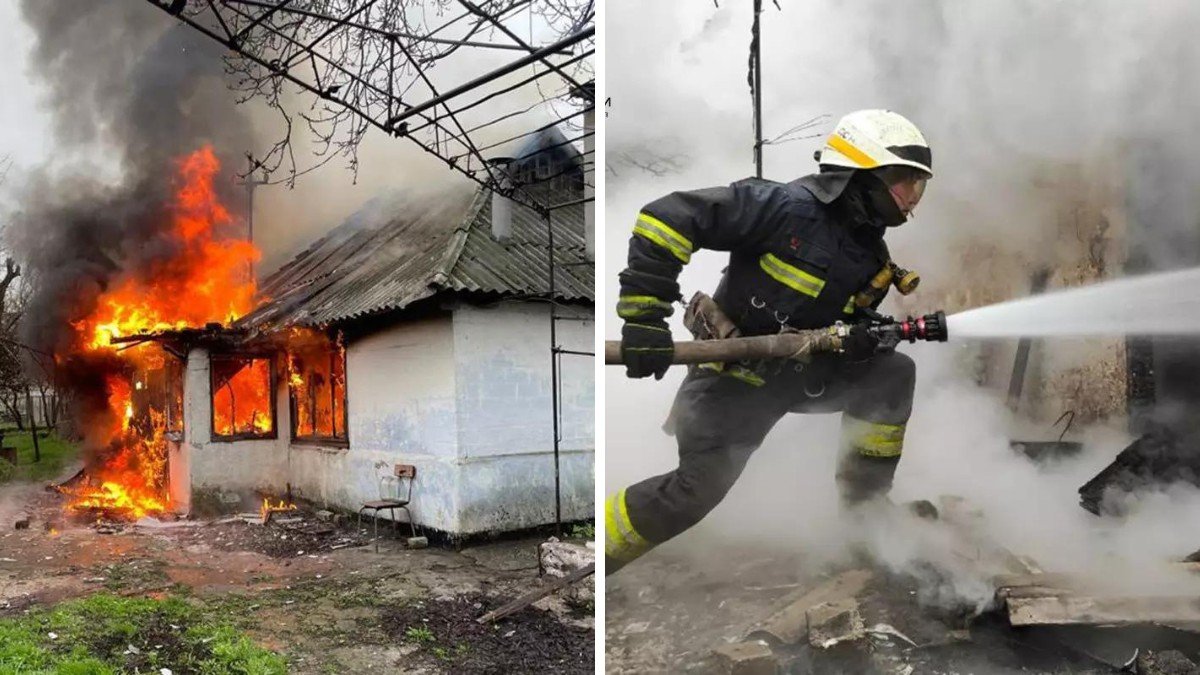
(206, 280)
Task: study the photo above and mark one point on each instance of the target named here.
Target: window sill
(326, 447)
(243, 437)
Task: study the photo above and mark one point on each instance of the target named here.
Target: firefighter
(801, 255)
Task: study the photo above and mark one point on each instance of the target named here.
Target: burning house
(415, 333)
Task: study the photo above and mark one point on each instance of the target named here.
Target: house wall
(505, 421)
(401, 404)
(465, 397)
(233, 469)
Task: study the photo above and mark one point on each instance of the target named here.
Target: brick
(831, 623)
(745, 658)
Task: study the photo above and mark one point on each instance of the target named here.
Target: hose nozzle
(928, 328)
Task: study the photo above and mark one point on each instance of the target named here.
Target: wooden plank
(790, 624)
(1084, 610)
(533, 596)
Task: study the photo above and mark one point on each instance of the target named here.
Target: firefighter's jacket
(797, 254)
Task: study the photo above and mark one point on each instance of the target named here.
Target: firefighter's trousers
(721, 417)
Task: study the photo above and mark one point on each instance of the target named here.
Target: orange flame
(268, 507)
(317, 382)
(205, 280)
(242, 401)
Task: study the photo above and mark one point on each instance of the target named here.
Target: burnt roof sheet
(390, 255)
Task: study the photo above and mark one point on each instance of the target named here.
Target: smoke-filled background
(1062, 137)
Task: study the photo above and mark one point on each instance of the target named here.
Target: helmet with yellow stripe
(871, 139)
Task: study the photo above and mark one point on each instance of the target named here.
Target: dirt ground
(327, 611)
(667, 612)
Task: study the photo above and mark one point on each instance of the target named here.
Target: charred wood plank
(533, 596)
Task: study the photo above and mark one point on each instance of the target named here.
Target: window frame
(324, 441)
(271, 435)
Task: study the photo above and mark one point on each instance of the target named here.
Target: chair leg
(377, 530)
(412, 525)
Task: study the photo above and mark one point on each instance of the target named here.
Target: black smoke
(129, 91)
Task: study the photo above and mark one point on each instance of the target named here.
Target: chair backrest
(403, 471)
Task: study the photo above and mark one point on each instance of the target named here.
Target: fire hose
(798, 344)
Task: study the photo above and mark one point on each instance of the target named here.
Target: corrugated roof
(391, 255)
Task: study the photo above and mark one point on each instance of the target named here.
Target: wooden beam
(533, 596)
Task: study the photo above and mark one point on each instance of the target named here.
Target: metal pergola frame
(391, 87)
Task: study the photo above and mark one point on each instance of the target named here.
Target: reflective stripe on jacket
(794, 258)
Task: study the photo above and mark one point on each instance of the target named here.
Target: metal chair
(384, 503)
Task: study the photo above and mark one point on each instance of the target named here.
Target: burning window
(242, 397)
(158, 390)
(317, 388)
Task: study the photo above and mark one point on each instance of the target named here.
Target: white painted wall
(243, 467)
(465, 397)
(502, 361)
(400, 399)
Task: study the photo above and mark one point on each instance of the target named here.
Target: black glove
(647, 348)
(860, 344)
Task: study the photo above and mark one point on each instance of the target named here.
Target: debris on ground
(1059, 599)
(309, 590)
(669, 615)
(529, 641)
(832, 623)
(1170, 662)
(560, 558)
(533, 596)
(745, 658)
(298, 536)
(1155, 460)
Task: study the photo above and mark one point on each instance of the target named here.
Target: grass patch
(585, 530)
(56, 453)
(420, 634)
(106, 634)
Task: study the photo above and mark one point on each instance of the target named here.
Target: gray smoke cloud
(1028, 106)
(129, 92)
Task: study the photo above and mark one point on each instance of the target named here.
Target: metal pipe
(554, 379)
(494, 75)
(756, 59)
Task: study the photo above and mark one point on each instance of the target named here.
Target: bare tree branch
(426, 70)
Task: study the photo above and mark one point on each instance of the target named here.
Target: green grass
(585, 530)
(56, 453)
(106, 634)
(420, 634)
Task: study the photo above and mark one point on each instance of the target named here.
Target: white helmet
(869, 139)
